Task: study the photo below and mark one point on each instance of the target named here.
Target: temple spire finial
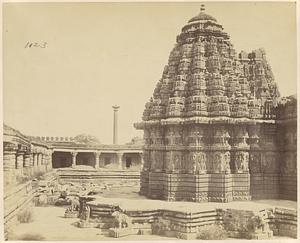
(202, 8)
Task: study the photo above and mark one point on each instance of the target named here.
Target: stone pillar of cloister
(120, 160)
(44, 162)
(39, 164)
(31, 168)
(74, 154)
(97, 159)
(35, 161)
(49, 160)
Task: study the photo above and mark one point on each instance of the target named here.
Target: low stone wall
(16, 199)
(186, 224)
(284, 222)
(95, 176)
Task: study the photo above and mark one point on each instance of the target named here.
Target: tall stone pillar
(119, 160)
(9, 165)
(115, 129)
(74, 154)
(97, 163)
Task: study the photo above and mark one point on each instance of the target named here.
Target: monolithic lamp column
(115, 128)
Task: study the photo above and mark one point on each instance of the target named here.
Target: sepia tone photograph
(149, 121)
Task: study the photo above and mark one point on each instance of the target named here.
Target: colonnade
(97, 154)
(22, 162)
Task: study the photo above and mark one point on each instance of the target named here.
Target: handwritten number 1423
(36, 44)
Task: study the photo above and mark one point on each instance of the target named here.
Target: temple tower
(197, 123)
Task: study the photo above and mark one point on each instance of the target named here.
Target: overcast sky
(101, 54)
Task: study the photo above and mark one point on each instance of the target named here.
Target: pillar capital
(116, 107)
(97, 153)
(120, 154)
(74, 153)
(27, 155)
(20, 153)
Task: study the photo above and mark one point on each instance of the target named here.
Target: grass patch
(25, 216)
(29, 236)
(212, 232)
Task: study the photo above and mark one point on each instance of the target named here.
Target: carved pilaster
(219, 157)
(146, 159)
(156, 160)
(269, 163)
(255, 151)
(240, 150)
(142, 161)
(198, 162)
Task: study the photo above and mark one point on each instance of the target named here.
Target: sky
(101, 54)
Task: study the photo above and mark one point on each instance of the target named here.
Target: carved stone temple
(216, 128)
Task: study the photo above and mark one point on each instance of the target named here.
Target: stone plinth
(246, 219)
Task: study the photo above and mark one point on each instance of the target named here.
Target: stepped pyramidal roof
(205, 77)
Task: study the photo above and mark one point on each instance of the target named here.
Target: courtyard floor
(49, 223)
